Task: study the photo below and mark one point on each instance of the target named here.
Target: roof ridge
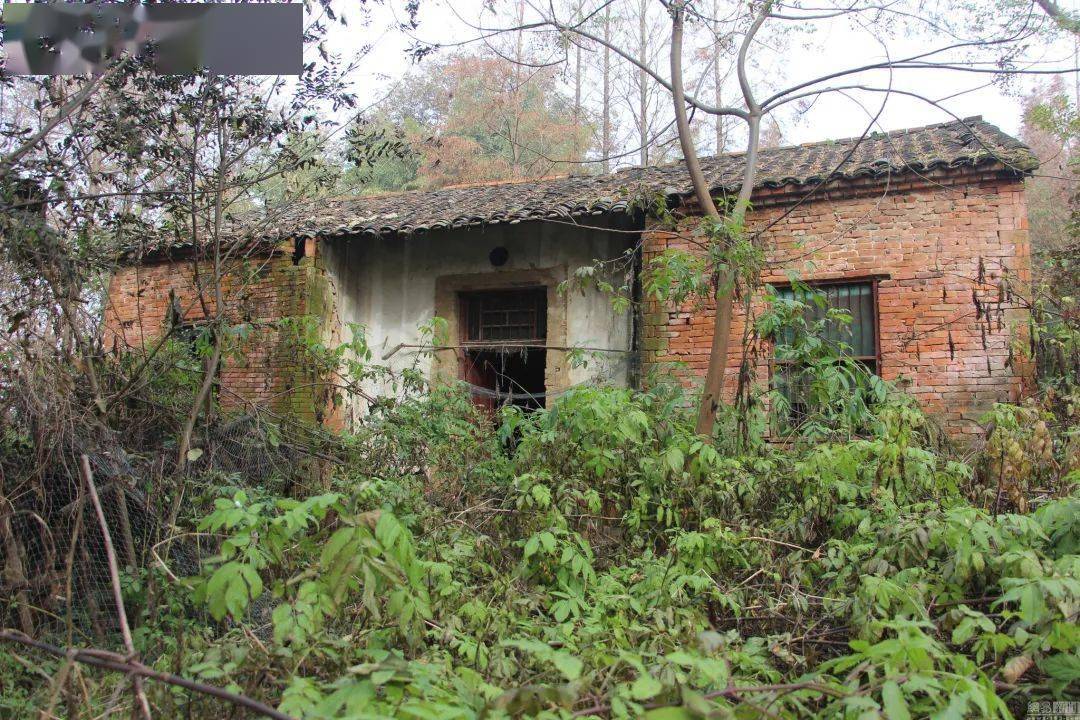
(945, 145)
(458, 186)
(973, 119)
(901, 132)
(512, 181)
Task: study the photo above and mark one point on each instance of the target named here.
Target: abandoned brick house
(901, 229)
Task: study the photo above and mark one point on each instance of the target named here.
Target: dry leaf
(1015, 668)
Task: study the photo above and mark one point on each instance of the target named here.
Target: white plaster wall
(388, 285)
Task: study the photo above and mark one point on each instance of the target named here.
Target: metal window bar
(857, 339)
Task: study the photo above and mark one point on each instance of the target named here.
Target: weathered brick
(924, 241)
(264, 369)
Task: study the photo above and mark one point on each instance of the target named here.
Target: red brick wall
(264, 367)
(924, 239)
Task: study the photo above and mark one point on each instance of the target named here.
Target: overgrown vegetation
(601, 558)
(598, 558)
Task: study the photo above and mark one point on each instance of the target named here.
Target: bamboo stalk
(114, 574)
(92, 606)
(125, 525)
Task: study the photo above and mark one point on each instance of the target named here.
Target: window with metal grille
(857, 339)
(506, 316)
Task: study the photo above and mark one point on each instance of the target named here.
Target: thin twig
(778, 542)
(58, 681)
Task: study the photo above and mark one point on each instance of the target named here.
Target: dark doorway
(511, 376)
(504, 332)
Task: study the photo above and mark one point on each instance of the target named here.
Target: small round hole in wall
(498, 256)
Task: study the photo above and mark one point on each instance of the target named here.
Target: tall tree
(642, 29)
(606, 144)
(1051, 128)
(472, 118)
(642, 118)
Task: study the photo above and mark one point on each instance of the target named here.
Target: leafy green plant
(598, 557)
(836, 394)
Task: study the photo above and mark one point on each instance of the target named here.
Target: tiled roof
(971, 142)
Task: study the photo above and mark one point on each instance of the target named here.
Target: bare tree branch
(117, 663)
(63, 114)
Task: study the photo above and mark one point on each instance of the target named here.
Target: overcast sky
(833, 45)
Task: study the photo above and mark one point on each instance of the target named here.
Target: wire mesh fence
(54, 572)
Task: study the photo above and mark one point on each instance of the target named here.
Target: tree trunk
(718, 81)
(203, 397)
(643, 85)
(712, 392)
(605, 140)
(577, 101)
(516, 169)
(579, 152)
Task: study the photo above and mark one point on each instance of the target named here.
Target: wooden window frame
(540, 322)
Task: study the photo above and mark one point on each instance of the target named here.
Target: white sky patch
(834, 45)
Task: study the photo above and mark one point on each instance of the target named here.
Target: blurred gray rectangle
(76, 38)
